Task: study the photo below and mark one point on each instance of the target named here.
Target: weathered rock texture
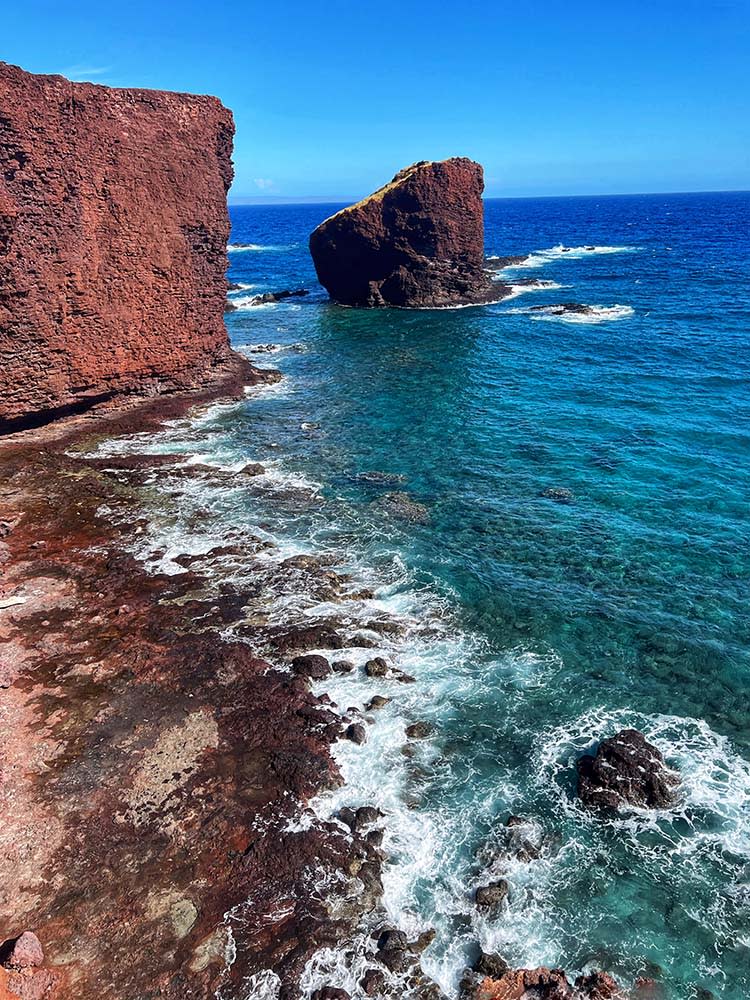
(546, 984)
(418, 241)
(626, 770)
(113, 230)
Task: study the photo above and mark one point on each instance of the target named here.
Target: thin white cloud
(264, 183)
(83, 72)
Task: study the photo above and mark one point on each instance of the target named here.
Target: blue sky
(331, 97)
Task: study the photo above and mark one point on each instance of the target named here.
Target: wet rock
(269, 297)
(404, 678)
(489, 897)
(626, 770)
(424, 940)
(24, 953)
(491, 965)
(498, 263)
(356, 733)
(419, 730)
(557, 493)
(563, 308)
(374, 838)
(302, 561)
(392, 940)
(403, 506)
(372, 982)
(252, 469)
(307, 637)
(525, 838)
(599, 986)
(330, 993)
(367, 815)
(311, 665)
(417, 241)
(348, 816)
(360, 641)
(342, 666)
(378, 701)
(377, 667)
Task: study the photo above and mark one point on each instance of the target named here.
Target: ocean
(554, 511)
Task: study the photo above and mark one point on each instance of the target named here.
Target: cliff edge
(113, 231)
(416, 242)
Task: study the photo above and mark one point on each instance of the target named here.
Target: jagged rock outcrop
(113, 230)
(626, 770)
(418, 241)
(542, 984)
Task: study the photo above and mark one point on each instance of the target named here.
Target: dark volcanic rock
(113, 238)
(626, 770)
(268, 297)
(489, 897)
(356, 733)
(418, 241)
(311, 665)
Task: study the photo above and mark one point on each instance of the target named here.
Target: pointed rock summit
(416, 242)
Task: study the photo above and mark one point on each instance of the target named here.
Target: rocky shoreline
(165, 744)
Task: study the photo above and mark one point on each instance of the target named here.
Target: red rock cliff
(113, 230)
(417, 241)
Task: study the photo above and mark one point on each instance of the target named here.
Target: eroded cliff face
(416, 242)
(113, 231)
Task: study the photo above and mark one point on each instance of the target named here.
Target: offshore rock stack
(417, 242)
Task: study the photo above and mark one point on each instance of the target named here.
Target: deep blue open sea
(535, 627)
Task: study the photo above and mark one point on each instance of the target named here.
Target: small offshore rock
(330, 993)
(356, 733)
(404, 678)
(419, 730)
(269, 297)
(487, 897)
(342, 666)
(378, 701)
(311, 665)
(626, 770)
(252, 469)
(377, 667)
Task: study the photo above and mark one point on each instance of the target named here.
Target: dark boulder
(626, 770)
(356, 733)
(311, 665)
(489, 897)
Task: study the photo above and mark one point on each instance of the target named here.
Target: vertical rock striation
(113, 231)
(418, 241)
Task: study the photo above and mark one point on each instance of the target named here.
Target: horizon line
(270, 200)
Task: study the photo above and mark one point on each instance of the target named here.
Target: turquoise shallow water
(627, 604)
